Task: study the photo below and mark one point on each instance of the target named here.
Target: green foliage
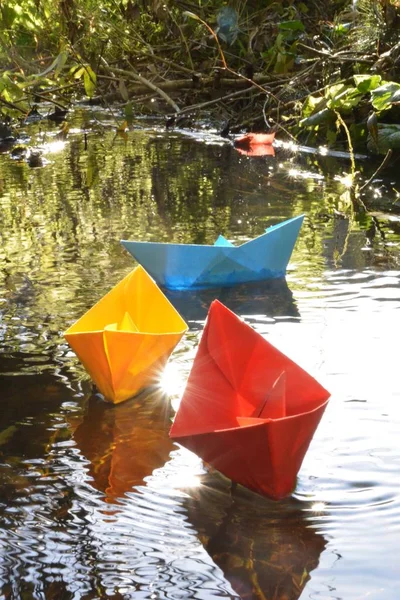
(367, 83)
(384, 96)
(388, 138)
(281, 56)
(345, 98)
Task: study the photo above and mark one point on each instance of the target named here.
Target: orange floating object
(248, 409)
(257, 150)
(125, 340)
(255, 144)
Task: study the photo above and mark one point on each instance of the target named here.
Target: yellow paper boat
(125, 339)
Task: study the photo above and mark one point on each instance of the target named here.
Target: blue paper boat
(194, 266)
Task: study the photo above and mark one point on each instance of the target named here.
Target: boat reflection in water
(272, 298)
(265, 549)
(125, 443)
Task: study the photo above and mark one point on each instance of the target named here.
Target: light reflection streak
(53, 147)
(346, 179)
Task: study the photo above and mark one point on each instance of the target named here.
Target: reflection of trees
(60, 225)
(265, 549)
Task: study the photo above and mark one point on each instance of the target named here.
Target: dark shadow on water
(265, 549)
(126, 442)
(30, 394)
(271, 298)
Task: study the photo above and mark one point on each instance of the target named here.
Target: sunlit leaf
(384, 96)
(336, 90)
(367, 83)
(191, 15)
(61, 60)
(77, 73)
(89, 81)
(311, 104)
(345, 98)
(12, 88)
(57, 64)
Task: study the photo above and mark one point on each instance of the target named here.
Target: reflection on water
(265, 549)
(95, 500)
(125, 443)
(272, 298)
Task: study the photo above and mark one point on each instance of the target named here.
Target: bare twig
(337, 57)
(378, 170)
(136, 77)
(217, 100)
(354, 196)
(168, 62)
(12, 105)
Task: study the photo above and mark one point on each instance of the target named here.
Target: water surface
(95, 500)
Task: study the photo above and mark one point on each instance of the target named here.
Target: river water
(95, 500)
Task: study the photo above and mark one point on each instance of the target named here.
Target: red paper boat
(248, 409)
(255, 144)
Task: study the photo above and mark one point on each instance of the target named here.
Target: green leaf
(388, 138)
(14, 90)
(367, 83)
(331, 136)
(312, 105)
(61, 60)
(77, 72)
(191, 15)
(89, 81)
(323, 116)
(335, 90)
(57, 64)
(128, 110)
(383, 97)
(291, 26)
(8, 15)
(345, 98)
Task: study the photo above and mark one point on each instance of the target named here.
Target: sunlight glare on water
(96, 500)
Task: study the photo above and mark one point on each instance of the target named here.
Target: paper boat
(125, 340)
(255, 144)
(248, 409)
(189, 266)
(255, 139)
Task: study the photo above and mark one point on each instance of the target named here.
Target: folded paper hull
(125, 340)
(255, 144)
(247, 409)
(190, 266)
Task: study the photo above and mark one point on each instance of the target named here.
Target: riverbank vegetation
(321, 72)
